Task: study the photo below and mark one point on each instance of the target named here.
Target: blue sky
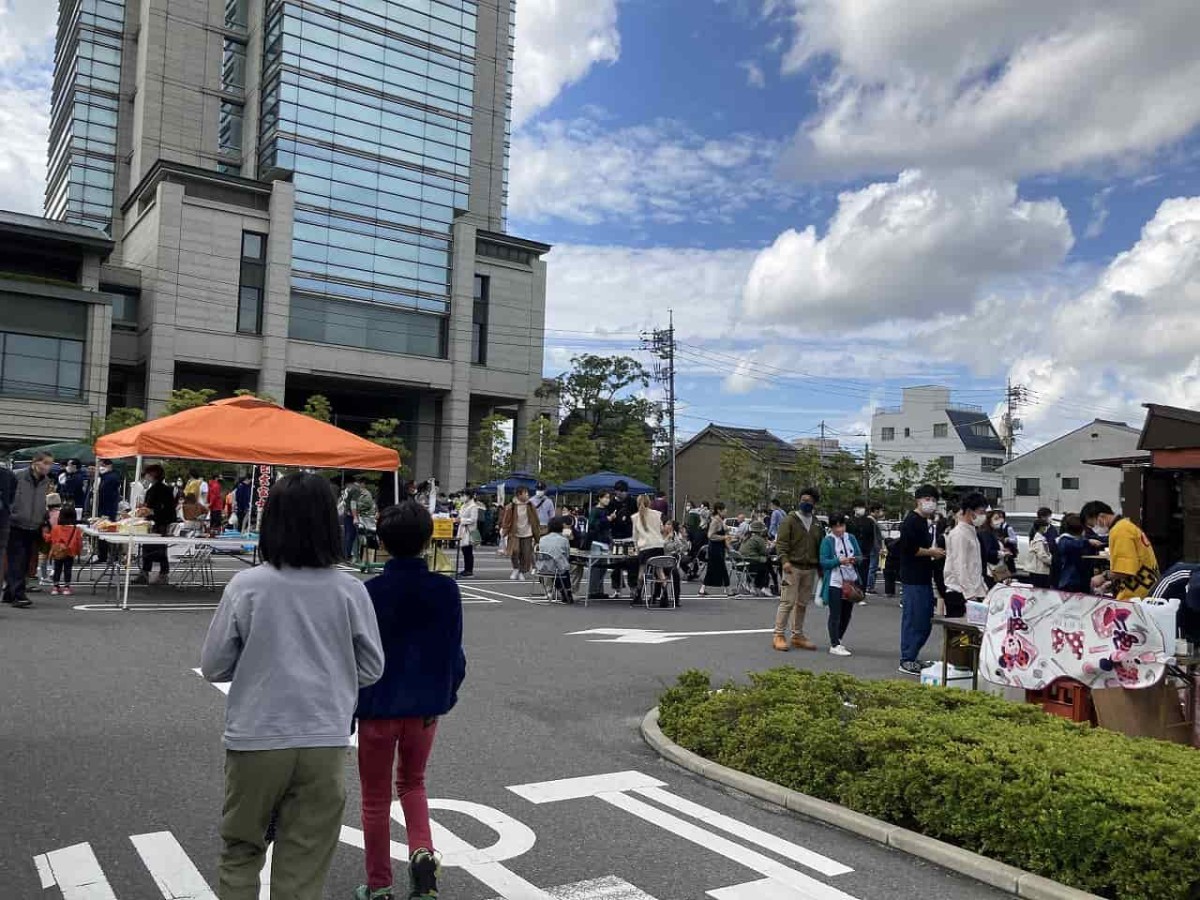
(839, 197)
(842, 197)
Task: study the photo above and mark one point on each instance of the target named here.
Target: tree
(386, 433)
(905, 475)
(808, 469)
(489, 456)
(938, 474)
(601, 392)
(259, 395)
(118, 419)
(575, 455)
(539, 449)
(317, 407)
(742, 484)
(842, 481)
(630, 453)
(876, 482)
(186, 398)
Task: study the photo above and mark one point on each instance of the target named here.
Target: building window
(941, 430)
(1070, 484)
(1029, 487)
(947, 462)
(230, 129)
(35, 366)
(908, 432)
(235, 14)
(125, 310)
(887, 434)
(252, 283)
(479, 321)
(233, 66)
(991, 463)
(982, 430)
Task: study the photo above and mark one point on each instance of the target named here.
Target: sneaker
(362, 892)
(466, 574)
(423, 869)
(22, 603)
(514, 576)
(67, 592)
(910, 667)
(54, 591)
(523, 576)
(140, 579)
(839, 650)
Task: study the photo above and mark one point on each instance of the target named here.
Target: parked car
(1022, 524)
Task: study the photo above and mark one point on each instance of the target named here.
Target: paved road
(107, 734)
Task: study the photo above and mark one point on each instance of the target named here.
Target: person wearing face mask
(599, 536)
(543, 505)
(27, 515)
(1006, 535)
(1132, 566)
(918, 551)
(798, 545)
(468, 533)
(964, 563)
(108, 501)
(862, 526)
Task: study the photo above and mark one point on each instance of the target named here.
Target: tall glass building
(310, 198)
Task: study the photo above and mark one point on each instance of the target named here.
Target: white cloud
(662, 172)
(557, 44)
(911, 248)
(26, 53)
(602, 290)
(755, 77)
(1014, 86)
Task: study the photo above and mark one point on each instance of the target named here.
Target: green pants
(306, 788)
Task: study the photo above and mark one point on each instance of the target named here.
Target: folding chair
(544, 577)
(660, 571)
(739, 573)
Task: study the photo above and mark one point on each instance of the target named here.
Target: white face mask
(859, 511)
(928, 507)
(1101, 530)
(981, 520)
(541, 493)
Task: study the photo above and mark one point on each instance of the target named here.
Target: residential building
(306, 198)
(698, 462)
(55, 328)
(929, 426)
(1056, 476)
(825, 445)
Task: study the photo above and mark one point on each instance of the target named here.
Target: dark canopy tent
(603, 481)
(511, 483)
(61, 451)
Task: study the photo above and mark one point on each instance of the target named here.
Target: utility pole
(1014, 397)
(867, 472)
(661, 343)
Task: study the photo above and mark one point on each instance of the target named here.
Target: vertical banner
(262, 491)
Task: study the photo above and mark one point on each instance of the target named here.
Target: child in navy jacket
(420, 626)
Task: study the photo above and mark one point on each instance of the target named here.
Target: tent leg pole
(137, 473)
(396, 482)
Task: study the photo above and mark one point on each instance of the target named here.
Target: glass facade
(369, 103)
(83, 117)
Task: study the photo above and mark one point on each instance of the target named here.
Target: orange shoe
(800, 642)
(780, 643)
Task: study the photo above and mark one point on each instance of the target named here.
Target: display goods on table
(1034, 636)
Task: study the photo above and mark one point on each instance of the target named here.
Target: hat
(53, 500)
(757, 526)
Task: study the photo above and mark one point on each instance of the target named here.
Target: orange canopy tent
(248, 430)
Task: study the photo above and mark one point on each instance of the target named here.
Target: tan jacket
(508, 524)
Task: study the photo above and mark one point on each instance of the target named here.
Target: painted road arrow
(652, 636)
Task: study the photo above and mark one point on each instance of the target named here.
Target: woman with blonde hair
(647, 537)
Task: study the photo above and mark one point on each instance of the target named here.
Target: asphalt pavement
(111, 761)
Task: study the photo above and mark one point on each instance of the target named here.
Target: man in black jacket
(26, 518)
(863, 527)
(160, 500)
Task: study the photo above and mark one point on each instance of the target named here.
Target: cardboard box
(1151, 712)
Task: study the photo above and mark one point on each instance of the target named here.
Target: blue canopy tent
(603, 481)
(511, 483)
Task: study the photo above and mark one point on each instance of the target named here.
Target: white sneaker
(766, 592)
(514, 576)
(523, 576)
(839, 650)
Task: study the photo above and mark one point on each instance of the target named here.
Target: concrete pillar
(424, 463)
(162, 293)
(456, 408)
(97, 351)
(521, 433)
(272, 375)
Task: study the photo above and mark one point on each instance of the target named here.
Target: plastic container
(977, 612)
(956, 677)
(1162, 611)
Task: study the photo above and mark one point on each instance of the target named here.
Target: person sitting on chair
(555, 545)
(757, 554)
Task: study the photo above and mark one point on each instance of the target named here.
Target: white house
(929, 426)
(1054, 474)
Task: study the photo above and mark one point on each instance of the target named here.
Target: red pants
(407, 742)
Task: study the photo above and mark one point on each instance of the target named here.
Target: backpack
(61, 551)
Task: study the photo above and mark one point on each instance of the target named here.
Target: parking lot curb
(1010, 879)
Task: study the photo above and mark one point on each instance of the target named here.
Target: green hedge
(1113, 815)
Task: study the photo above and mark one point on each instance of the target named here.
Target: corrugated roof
(962, 422)
(756, 440)
(54, 230)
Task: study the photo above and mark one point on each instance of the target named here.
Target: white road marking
(585, 786)
(766, 889)
(810, 888)
(43, 869)
(478, 590)
(797, 854)
(610, 888)
(146, 607)
(77, 873)
(170, 867)
(653, 636)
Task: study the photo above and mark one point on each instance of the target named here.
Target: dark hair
(405, 530)
(600, 495)
(73, 462)
(927, 492)
(718, 507)
(973, 500)
(66, 515)
(300, 527)
(859, 502)
(1072, 523)
(1094, 508)
(621, 486)
(104, 462)
(812, 492)
(521, 488)
(556, 524)
(541, 486)
(837, 519)
(875, 506)
(192, 473)
(154, 469)
(1045, 512)
(775, 501)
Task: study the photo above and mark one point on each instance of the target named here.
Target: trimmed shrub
(1094, 809)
